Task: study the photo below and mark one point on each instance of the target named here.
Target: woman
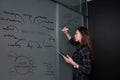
(83, 56)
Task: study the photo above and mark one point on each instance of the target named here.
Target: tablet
(60, 53)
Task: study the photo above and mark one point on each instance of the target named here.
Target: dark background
(104, 25)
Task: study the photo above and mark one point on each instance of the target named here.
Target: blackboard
(30, 34)
(72, 20)
(27, 40)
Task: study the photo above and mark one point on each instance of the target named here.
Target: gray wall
(27, 40)
(72, 20)
(30, 34)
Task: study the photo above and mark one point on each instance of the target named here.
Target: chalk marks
(15, 15)
(20, 64)
(50, 37)
(26, 33)
(48, 69)
(23, 18)
(47, 44)
(31, 32)
(43, 44)
(15, 30)
(38, 18)
(11, 28)
(11, 20)
(35, 44)
(17, 40)
(29, 17)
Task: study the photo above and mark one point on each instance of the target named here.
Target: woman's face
(78, 36)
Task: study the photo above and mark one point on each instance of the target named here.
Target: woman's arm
(65, 30)
(71, 40)
(69, 60)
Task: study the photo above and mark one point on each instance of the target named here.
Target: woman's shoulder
(74, 43)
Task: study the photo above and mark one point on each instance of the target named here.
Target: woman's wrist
(75, 65)
(66, 33)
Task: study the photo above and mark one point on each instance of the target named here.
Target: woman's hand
(68, 59)
(65, 30)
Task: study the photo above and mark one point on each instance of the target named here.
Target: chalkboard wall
(30, 33)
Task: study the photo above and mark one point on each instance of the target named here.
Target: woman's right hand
(65, 30)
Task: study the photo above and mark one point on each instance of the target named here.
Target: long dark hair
(86, 39)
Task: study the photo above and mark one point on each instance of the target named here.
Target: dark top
(82, 57)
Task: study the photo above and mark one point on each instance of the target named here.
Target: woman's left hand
(68, 59)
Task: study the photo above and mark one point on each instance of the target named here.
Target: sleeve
(85, 66)
(73, 42)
